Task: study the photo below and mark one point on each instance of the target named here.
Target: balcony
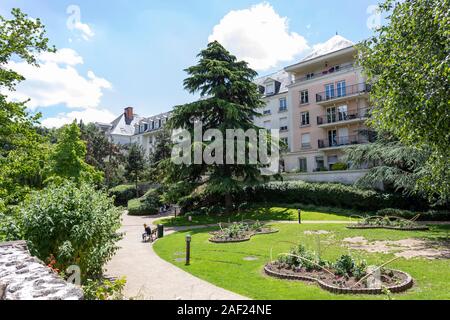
(325, 73)
(342, 93)
(341, 142)
(342, 117)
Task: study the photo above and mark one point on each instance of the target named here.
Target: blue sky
(135, 51)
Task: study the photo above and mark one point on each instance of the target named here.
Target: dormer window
(270, 89)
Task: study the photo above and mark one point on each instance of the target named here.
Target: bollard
(188, 249)
(160, 231)
(299, 216)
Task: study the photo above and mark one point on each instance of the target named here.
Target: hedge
(148, 204)
(122, 194)
(325, 194)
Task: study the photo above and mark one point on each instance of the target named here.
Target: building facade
(329, 107)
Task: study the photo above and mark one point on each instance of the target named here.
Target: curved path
(151, 278)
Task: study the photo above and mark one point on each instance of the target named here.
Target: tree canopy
(408, 64)
(229, 100)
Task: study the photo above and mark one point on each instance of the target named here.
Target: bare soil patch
(406, 248)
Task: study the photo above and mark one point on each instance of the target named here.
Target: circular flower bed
(344, 276)
(240, 232)
(393, 223)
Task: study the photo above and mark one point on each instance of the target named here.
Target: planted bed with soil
(240, 232)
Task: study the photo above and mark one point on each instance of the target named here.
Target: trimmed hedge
(325, 194)
(148, 204)
(122, 194)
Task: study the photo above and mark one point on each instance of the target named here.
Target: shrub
(75, 223)
(104, 289)
(123, 193)
(339, 167)
(148, 204)
(323, 194)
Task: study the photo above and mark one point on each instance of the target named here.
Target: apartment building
(147, 129)
(122, 129)
(329, 104)
(276, 112)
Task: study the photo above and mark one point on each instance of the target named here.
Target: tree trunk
(137, 186)
(228, 203)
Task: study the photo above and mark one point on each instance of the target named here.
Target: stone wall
(345, 177)
(23, 277)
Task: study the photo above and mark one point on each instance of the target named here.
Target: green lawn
(263, 214)
(224, 265)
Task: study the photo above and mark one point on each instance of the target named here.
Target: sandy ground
(406, 248)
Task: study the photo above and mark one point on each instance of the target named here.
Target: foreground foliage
(74, 223)
(408, 64)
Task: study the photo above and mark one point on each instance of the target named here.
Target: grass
(224, 265)
(275, 213)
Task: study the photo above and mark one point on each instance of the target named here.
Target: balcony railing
(343, 92)
(324, 73)
(341, 116)
(342, 141)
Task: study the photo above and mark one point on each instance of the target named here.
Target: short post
(188, 249)
(299, 216)
(190, 218)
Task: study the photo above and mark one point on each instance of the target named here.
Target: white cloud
(87, 115)
(57, 82)
(259, 36)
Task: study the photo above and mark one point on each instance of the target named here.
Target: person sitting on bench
(148, 233)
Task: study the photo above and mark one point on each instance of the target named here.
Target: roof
(23, 277)
(120, 127)
(281, 76)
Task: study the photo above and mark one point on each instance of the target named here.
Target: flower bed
(393, 223)
(344, 276)
(240, 232)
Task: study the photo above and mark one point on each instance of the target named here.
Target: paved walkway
(151, 278)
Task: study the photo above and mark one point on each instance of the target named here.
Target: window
(343, 113)
(303, 165)
(309, 76)
(284, 124)
(341, 89)
(332, 138)
(331, 115)
(283, 105)
(267, 112)
(329, 91)
(305, 119)
(306, 141)
(270, 89)
(320, 163)
(304, 97)
(153, 125)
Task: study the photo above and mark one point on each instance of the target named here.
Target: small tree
(68, 159)
(75, 223)
(135, 165)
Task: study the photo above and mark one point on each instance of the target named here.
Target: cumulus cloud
(87, 115)
(58, 82)
(85, 30)
(260, 36)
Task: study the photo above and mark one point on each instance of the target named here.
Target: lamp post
(299, 216)
(188, 249)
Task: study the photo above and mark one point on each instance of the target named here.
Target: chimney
(129, 115)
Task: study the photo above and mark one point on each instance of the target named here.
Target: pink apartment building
(328, 100)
